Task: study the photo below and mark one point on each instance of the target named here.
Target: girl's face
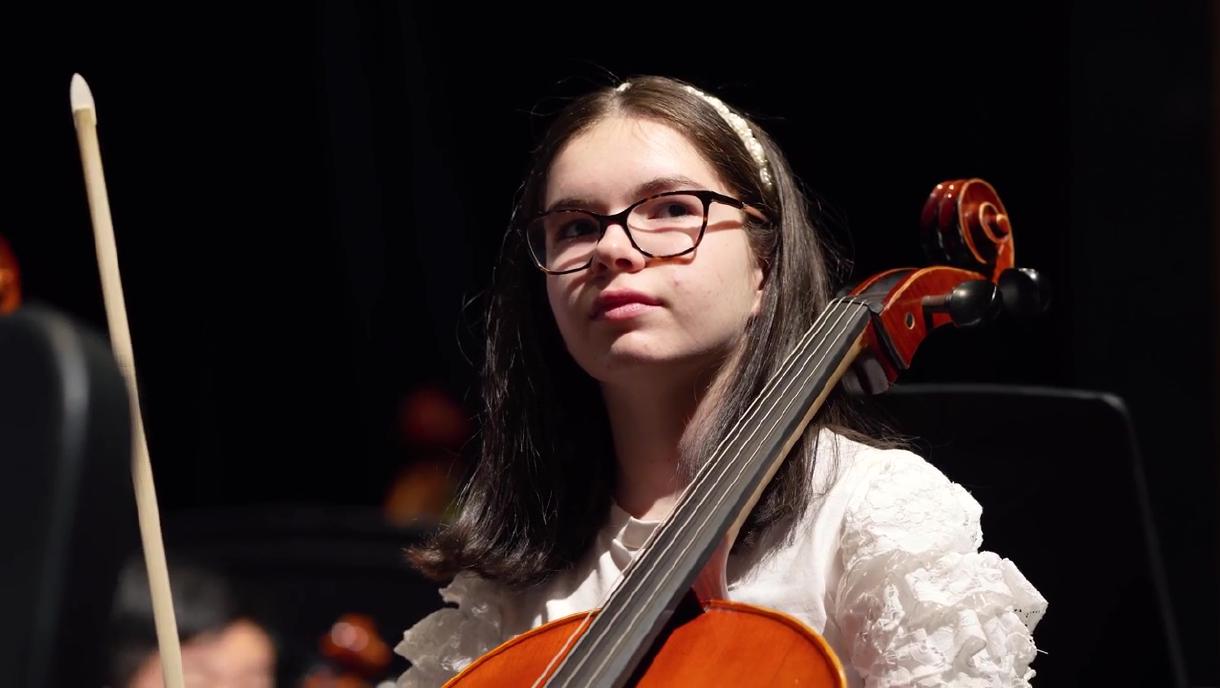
(626, 312)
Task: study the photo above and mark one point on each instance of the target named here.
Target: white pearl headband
(739, 125)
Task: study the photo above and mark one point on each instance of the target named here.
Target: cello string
(721, 496)
(707, 514)
(720, 476)
(790, 361)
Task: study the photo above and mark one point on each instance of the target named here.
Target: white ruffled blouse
(885, 565)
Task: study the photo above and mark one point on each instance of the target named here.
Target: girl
(662, 261)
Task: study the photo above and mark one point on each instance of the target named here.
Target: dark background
(305, 197)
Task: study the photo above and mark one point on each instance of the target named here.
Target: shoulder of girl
(863, 461)
(865, 470)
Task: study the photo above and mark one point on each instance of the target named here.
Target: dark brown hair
(542, 483)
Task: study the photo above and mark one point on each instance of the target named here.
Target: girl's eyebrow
(648, 188)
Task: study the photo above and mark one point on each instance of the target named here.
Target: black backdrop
(305, 197)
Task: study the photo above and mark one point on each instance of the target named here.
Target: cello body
(727, 644)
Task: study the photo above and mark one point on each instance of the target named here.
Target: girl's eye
(676, 210)
(576, 229)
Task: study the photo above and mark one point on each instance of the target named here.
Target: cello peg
(865, 377)
(972, 303)
(1024, 292)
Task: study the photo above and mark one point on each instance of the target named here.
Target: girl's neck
(648, 420)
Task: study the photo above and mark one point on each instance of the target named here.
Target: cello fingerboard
(722, 493)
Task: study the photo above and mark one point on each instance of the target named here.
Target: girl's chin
(625, 357)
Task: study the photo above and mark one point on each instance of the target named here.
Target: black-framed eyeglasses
(666, 225)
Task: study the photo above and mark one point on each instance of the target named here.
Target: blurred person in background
(222, 644)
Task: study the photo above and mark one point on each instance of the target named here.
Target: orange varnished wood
(730, 644)
(903, 317)
(966, 222)
(10, 286)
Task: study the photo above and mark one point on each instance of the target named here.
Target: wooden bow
(84, 114)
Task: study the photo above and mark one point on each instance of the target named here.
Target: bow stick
(84, 115)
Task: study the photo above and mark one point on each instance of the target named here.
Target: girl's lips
(626, 311)
(622, 304)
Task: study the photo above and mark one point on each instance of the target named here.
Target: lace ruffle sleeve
(443, 643)
(918, 604)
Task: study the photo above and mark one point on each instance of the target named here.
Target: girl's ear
(759, 280)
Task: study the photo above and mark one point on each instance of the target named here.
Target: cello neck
(717, 502)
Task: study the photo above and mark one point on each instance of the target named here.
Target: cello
(667, 621)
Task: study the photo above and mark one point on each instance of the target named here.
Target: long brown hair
(542, 483)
